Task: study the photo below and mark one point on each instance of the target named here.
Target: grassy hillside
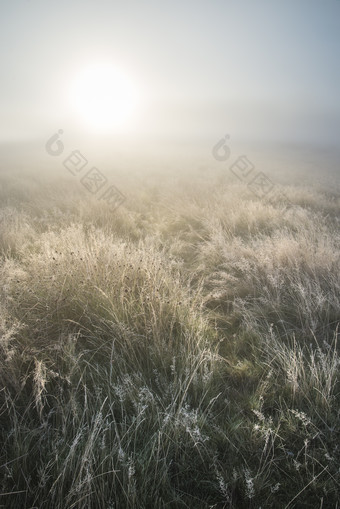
(178, 352)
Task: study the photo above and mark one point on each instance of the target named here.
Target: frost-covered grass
(179, 352)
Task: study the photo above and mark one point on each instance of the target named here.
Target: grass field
(178, 352)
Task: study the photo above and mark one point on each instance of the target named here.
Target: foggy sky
(253, 68)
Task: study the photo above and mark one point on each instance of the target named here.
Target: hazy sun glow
(104, 98)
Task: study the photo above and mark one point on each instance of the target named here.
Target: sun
(104, 98)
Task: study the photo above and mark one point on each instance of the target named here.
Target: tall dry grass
(179, 352)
